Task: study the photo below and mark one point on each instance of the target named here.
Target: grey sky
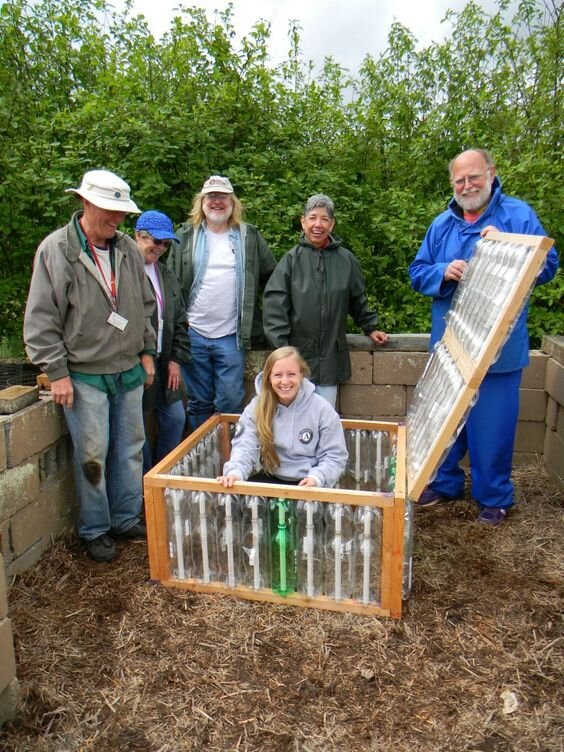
(348, 30)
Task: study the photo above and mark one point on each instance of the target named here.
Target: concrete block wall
(383, 379)
(554, 387)
(37, 498)
(9, 686)
(37, 502)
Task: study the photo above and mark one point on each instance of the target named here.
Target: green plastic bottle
(283, 549)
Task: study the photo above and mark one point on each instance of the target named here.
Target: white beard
(474, 200)
(218, 218)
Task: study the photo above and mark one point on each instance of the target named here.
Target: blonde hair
(268, 404)
(197, 216)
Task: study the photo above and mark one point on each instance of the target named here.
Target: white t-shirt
(213, 313)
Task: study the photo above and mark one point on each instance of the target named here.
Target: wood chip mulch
(109, 661)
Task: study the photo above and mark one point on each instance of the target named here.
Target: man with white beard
(478, 206)
(222, 264)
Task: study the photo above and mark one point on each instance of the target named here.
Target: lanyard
(111, 285)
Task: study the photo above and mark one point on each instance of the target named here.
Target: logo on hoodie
(305, 435)
(239, 428)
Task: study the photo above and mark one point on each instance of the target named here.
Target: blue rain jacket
(450, 237)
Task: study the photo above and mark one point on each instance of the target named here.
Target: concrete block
(9, 701)
(398, 368)
(532, 404)
(553, 346)
(3, 591)
(19, 486)
(551, 413)
(521, 459)
(535, 373)
(410, 391)
(367, 401)
(32, 430)
(554, 454)
(396, 342)
(40, 519)
(59, 497)
(29, 525)
(529, 437)
(3, 455)
(5, 549)
(554, 383)
(254, 363)
(560, 421)
(8, 662)
(28, 560)
(15, 398)
(361, 363)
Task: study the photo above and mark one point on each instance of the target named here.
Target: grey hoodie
(308, 438)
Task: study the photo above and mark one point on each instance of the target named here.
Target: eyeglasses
(216, 196)
(148, 236)
(473, 179)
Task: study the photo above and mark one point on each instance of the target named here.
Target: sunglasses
(164, 243)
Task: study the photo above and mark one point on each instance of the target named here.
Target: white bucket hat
(107, 191)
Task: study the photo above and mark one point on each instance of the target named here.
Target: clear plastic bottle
(340, 551)
(368, 536)
(228, 513)
(311, 537)
(255, 544)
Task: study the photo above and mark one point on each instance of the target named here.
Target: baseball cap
(157, 224)
(217, 184)
(107, 191)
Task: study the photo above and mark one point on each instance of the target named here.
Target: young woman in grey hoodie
(288, 430)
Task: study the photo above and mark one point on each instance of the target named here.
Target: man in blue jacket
(478, 205)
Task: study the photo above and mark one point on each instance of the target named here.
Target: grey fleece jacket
(308, 438)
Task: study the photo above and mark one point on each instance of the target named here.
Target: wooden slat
(369, 425)
(540, 242)
(275, 490)
(157, 533)
(466, 365)
(269, 596)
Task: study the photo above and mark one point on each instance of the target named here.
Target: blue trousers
(214, 377)
(488, 436)
(170, 423)
(107, 435)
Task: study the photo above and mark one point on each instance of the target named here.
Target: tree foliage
(83, 86)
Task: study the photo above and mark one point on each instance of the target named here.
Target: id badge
(114, 319)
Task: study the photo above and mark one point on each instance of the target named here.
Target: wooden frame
(391, 504)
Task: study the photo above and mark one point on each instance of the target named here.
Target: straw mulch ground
(110, 662)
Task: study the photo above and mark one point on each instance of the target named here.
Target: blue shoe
(492, 516)
(429, 498)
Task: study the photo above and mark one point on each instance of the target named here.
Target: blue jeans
(170, 424)
(214, 377)
(107, 434)
(328, 393)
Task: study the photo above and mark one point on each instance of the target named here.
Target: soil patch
(109, 661)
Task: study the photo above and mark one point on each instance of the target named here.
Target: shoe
(492, 516)
(429, 498)
(101, 548)
(135, 531)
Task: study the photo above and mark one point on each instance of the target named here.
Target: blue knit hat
(157, 224)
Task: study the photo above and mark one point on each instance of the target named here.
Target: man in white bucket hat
(87, 326)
